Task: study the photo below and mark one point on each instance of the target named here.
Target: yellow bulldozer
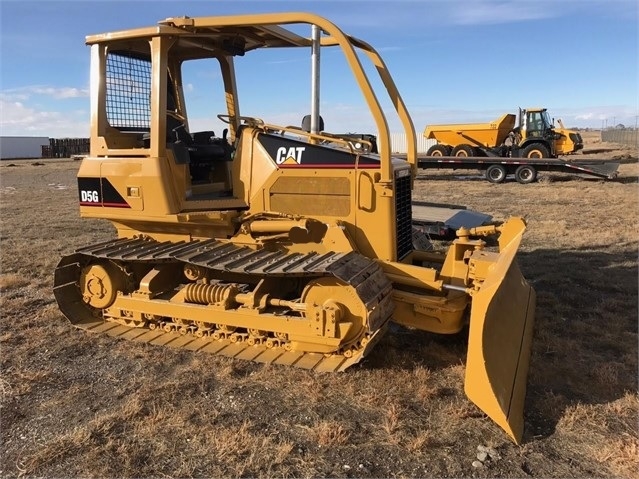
(533, 136)
(270, 243)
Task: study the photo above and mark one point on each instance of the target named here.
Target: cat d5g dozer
(273, 243)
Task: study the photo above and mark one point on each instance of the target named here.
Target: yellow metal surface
(499, 343)
(437, 314)
(564, 145)
(258, 212)
(475, 134)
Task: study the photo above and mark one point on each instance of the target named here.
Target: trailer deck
(600, 168)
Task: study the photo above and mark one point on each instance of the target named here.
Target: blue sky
(453, 61)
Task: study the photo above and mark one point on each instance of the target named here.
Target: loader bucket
(499, 343)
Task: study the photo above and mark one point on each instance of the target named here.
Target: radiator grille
(403, 216)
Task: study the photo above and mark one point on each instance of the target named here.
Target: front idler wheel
(100, 283)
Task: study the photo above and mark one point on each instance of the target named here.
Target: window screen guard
(128, 91)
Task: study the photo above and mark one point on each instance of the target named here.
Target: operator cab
(537, 123)
(204, 157)
(156, 141)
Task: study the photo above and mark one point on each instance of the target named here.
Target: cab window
(128, 91)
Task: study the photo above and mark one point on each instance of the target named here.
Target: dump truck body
(271, 243)
(483, 135)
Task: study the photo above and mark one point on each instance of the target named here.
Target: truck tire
(535, 150)
(526, 174)
(496, 173)
(463, 151)
(438, 150)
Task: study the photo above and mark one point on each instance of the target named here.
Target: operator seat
(203, 148)
(306, 123)
(200, 145)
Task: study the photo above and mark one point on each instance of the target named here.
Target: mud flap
(499, 343)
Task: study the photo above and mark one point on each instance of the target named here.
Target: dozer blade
(499, 343)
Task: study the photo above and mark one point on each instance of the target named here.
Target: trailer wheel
(463, 151)
(536, 150)
(525, 174)
(438, 150)
(496, 173)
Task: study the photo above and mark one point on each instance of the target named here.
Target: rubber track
(364, 275)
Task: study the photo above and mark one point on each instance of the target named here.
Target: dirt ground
(78, 404)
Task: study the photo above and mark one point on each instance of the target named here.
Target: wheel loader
(270, 243)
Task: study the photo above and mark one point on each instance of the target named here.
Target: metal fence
(65, 147)
(625, 137)
(399, 145)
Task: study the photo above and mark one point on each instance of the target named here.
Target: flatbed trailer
(525, 170)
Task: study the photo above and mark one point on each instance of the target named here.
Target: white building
(398, 143)
(12, 147)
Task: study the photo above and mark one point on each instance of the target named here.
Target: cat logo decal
(289, 156)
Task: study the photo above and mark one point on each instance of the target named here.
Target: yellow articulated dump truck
(534, 136)
(276, 244)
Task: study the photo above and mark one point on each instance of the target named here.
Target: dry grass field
(77, 404)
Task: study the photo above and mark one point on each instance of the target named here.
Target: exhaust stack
(316, 33)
